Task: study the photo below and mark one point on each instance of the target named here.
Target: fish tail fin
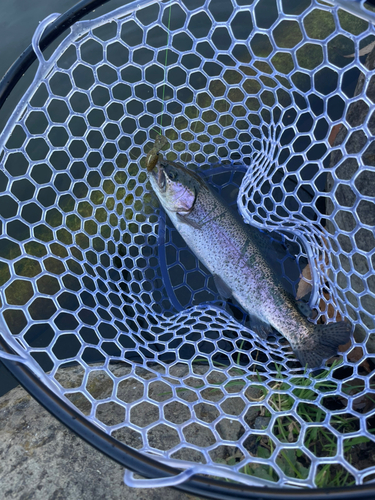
(322, 343)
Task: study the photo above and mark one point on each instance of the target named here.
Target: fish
(153, 155)
(235, 254)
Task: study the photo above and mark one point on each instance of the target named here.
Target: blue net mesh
(92, 273)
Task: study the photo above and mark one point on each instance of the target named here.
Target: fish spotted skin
(234, 253)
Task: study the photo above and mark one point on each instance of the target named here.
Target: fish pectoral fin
(187, 220)
(260, 327)
(224, 290)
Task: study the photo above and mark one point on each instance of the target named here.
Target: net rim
(117, 451)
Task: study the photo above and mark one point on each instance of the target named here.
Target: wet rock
(230, 429)
(261, 422)
(40, 459)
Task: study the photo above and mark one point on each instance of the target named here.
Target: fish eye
(172, 175)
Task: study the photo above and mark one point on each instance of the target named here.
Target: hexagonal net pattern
(273, 103)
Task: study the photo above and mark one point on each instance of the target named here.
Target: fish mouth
(159, 176)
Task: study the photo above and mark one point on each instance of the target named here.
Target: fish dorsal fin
(304, 308)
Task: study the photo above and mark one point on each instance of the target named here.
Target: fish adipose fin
(304, 308)
(322, 343)
(260, 327)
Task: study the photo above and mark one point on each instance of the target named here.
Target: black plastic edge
(119, 452)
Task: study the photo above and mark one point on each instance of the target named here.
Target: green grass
(318, 439)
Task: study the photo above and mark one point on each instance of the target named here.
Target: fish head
(175, 186)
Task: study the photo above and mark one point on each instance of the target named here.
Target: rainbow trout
(234, 253)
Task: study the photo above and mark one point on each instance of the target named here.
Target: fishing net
(272, 102)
